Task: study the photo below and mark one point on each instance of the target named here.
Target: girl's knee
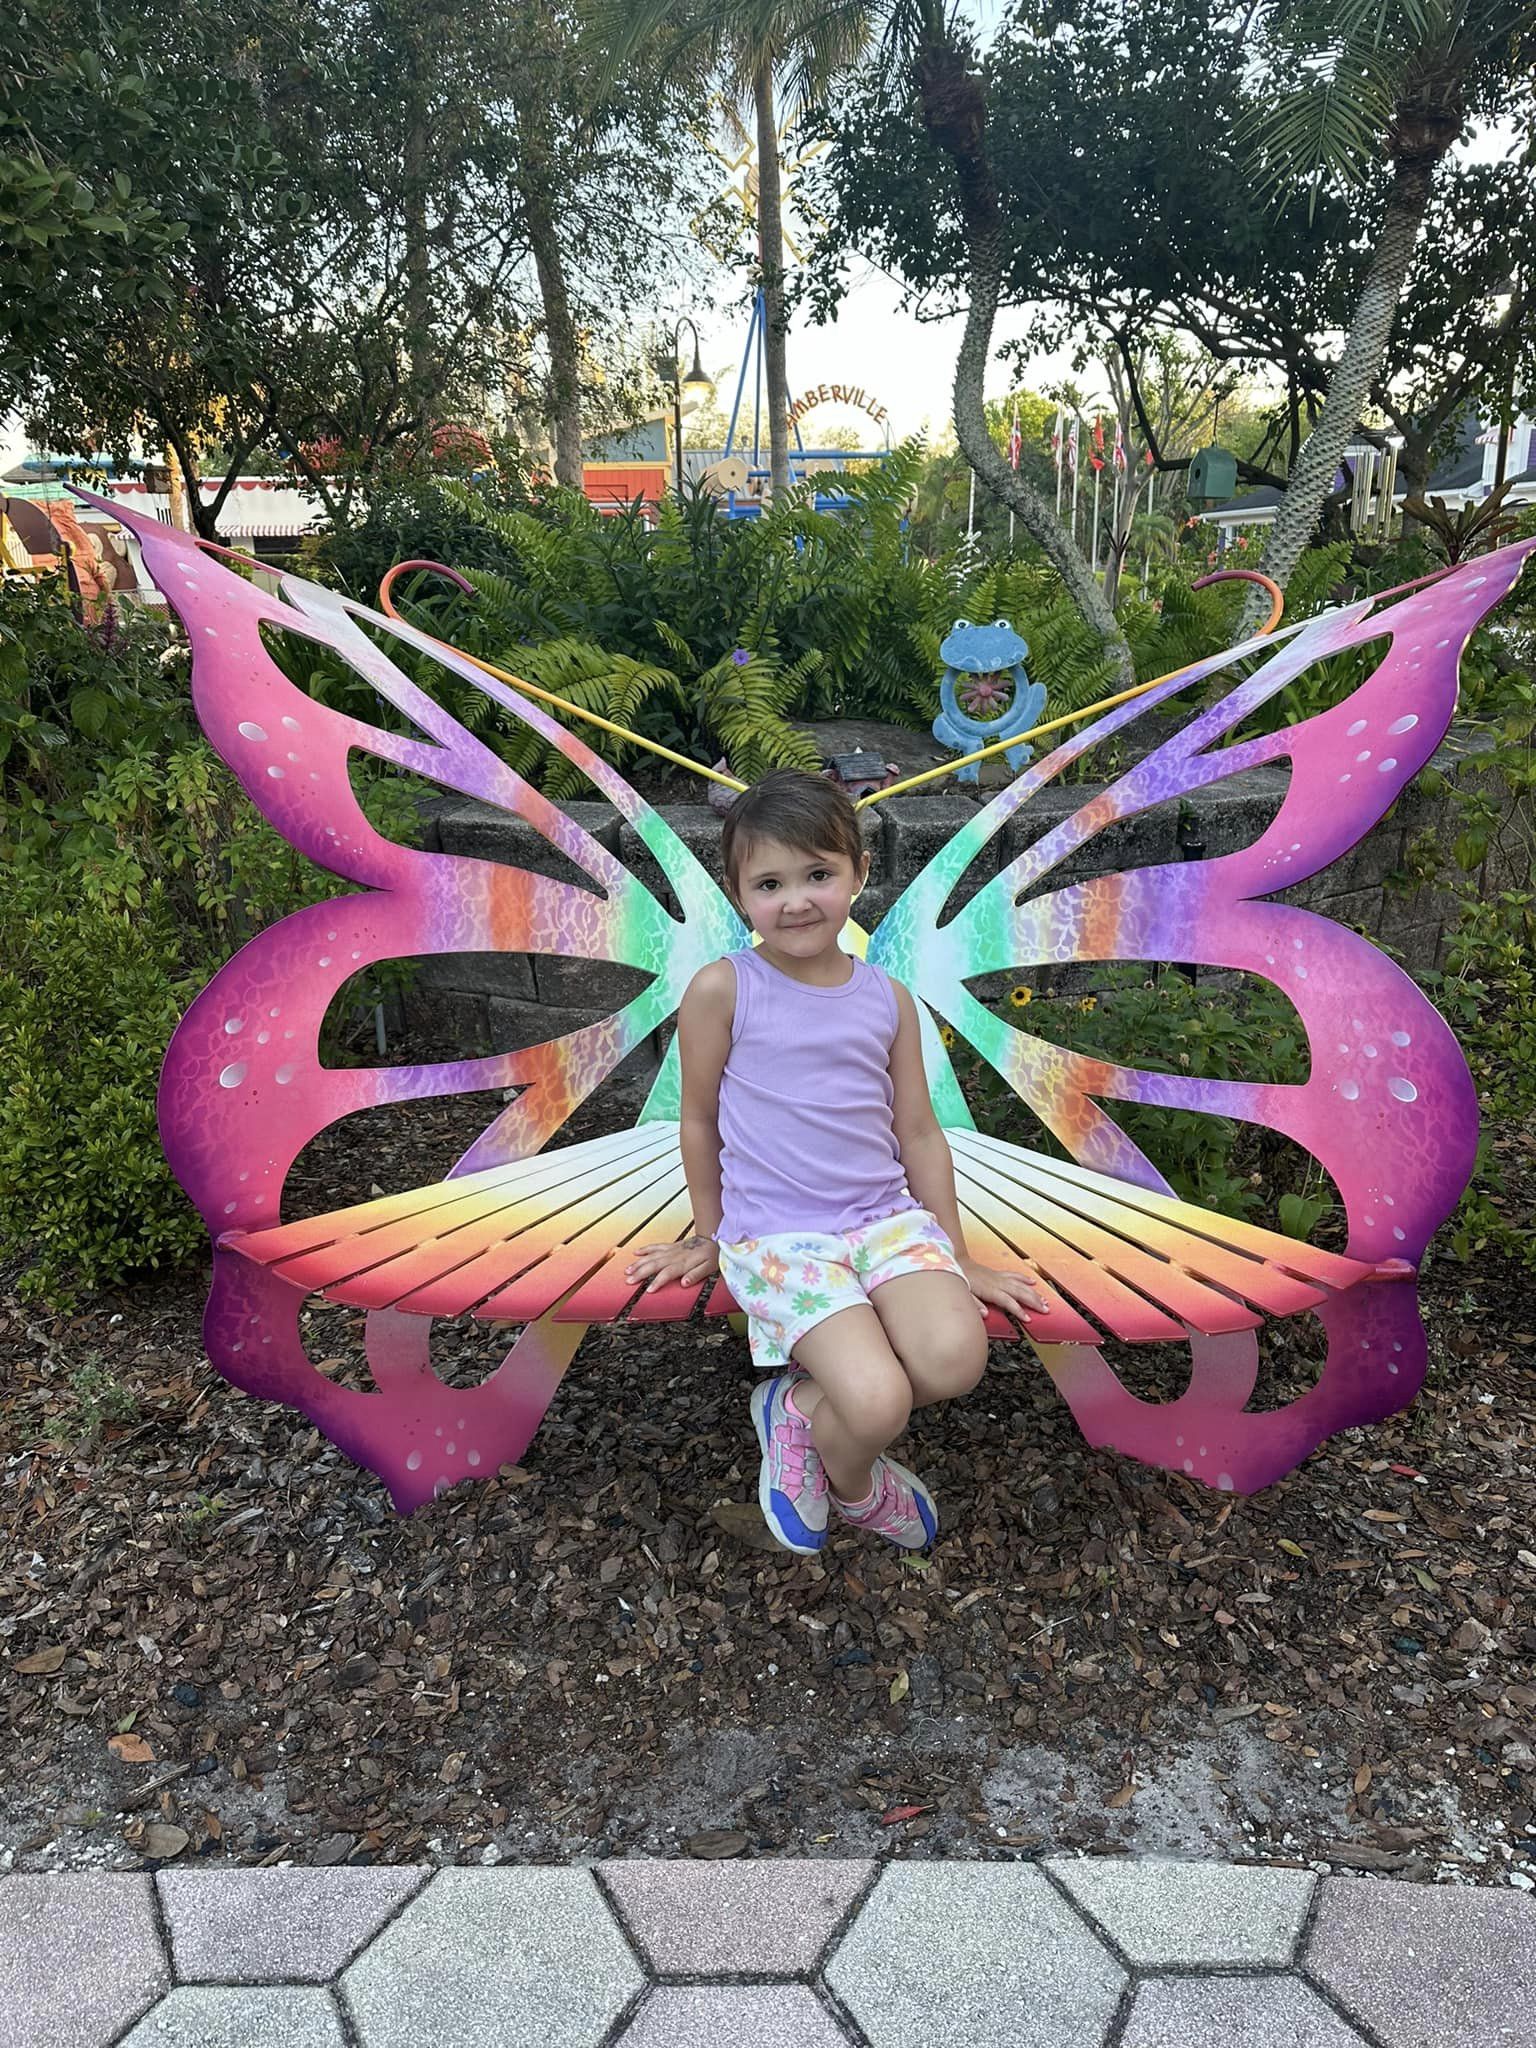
(952, 1367)
(876, 1410)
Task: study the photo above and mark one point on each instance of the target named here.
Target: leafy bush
(712, 635)
(88, 1000)
(131, 867)
(67, 690)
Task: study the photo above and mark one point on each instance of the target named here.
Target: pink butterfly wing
(243, 1088)
(1387, 1108)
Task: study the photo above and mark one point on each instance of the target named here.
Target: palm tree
(1381, 79)
(768, 53)
(953, 103)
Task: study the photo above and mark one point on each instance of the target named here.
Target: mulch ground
(220, 1641)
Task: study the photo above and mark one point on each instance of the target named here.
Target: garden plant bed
(220, 1642)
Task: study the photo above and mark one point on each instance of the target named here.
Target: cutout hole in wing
(1291, 1358)
(1226, 817)
(323, 675)
(464, 1353)
(1155, 1373)
(1222, 1025)
(334, 1337)
(1320, 686)
(386, 1150)
(328, 680)
(454, 1006)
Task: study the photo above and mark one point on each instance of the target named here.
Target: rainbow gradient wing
(1387, 1107)
(244, 1090)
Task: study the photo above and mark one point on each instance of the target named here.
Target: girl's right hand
(689, 1264)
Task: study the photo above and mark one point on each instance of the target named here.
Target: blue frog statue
(983, 669)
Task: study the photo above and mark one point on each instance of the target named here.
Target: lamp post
(671, 368)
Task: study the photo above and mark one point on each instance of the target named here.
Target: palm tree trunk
(1311, 480)
(955, 114)
(559, 332)
(770, 237)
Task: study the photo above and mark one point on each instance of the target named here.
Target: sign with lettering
(837, 394)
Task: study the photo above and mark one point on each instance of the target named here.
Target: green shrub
(131, 867)
(89, 997)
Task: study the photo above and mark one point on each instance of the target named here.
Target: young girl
(822, 1184)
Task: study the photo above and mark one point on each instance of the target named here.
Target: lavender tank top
(806, 1140)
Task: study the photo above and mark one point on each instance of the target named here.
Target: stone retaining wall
(501, 1002)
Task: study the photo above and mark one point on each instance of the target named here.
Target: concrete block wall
(500, 1003)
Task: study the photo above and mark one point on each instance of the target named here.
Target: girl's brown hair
(803, 811)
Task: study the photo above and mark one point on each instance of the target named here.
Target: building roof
(1262, 498)
(1463, 472)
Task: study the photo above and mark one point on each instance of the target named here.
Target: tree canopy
(1121, 139)
(327, 228)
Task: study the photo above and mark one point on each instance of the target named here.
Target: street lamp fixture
(670, 368)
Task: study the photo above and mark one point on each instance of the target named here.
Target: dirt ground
(221, 1642)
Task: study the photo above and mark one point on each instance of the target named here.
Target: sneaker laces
(794, 1451)
(889, 1492)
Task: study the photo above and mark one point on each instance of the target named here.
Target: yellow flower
(1088, 1003)
(946, 1035)
(1020, 996)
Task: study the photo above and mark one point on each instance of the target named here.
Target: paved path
(817, 1953)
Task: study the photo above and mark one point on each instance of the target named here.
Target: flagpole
(970, 510)
(1097, 474)
(1076, 472)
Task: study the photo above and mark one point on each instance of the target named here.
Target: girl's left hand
(1011, 1292)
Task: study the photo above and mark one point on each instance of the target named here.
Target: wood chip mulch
(220, 1641)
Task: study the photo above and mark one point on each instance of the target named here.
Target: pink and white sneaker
(792, 1486)
(899, 1508)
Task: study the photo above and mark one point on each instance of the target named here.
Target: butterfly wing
(244, 1089)
(1387, 1107)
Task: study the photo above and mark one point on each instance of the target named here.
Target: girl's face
(797, 902)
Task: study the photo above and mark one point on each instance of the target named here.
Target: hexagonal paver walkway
(986, 1953)
(517, 1958)
(784, 1954)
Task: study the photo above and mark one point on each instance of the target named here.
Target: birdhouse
(1212, 476)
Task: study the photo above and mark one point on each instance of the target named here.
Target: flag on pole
(1098, 433)
(1015, 444)
(1061, 419)
(1119, 448)
(1072, 445)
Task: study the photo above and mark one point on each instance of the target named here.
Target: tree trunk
(559, 332)
(770, 239)
(955, 114)
(176, 493)
(1311, 480)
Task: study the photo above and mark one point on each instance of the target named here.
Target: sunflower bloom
(1020, 997)
(1088, 1003)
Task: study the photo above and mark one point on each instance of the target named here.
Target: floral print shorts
(792, 1281)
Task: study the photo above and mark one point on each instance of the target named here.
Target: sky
(907, 364)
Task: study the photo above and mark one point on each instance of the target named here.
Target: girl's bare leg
(858, 1400)
(933, 1324)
